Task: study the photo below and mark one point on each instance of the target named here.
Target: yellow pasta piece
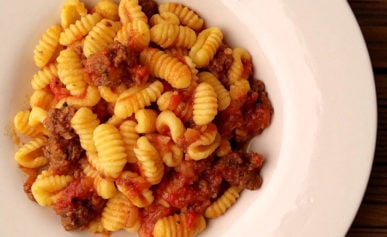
(109, 94)
(164, 17)
(42, 99)
(149, 160)
(205, 105)
(137, 98)
(168, 122)
(47, 46)
(170, 35)
(110, 149)
(104, 188)
(206, 45)
(224, 148)
(100, 36)
(205, 144)
(129, 10)
(224, 202)
(135, 188)
(46, 187)
(179, 225)
(84, 122)
(186, 16)
(107, 9)
(240, 68)
(30, 155)
(21, 125)
(174, 157)
(96, 227)
(71, 72)
(43, 77)
(90, 98)
(72, 10)
(79, 29)
(239, 89)
(37, 116)
(146, 120)
(130, 136)
(223, 95)
(134, 35)
(166, 67)
(119, 213)
(183, 110)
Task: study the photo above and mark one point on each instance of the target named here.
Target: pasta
(206, 45)
(166, 67)
(205, 104)
(47, 47)
(184, 224)
(138, 119)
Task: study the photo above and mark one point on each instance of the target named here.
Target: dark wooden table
(371, 219)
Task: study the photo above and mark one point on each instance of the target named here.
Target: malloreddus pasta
(138, 119)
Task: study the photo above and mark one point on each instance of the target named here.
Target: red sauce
(77, 189)
(56, 87)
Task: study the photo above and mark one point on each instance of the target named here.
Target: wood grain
(371, 219)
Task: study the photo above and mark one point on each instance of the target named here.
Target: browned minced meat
(149, 7)
(111, 67)
(241, 169)
(58, 123)
(78, 204)
(63, 148)
(221, 62)
(249, 115)
(63, 155)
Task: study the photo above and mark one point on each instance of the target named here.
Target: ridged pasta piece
(205, 144)
(174, 157)
(177, 52)
(90, 98)
(135, 188)
(164, 17)
(166, 67)
(79, 29)
(84, 122)
(149, 160)
(223, 95)
(43, 77)
(170, 35)
(110, 94)
(240, 68)
(115, 120)
(96, 227)
(130, 136)
(110, 149)
(182, 110)
(146, 120)
(104, 188)
(168, 122)
(71, 11)
(42, 99)
(71, 72)
(183, 224)
(100, 36)
(186, 16)
(107, 9)
(206, 45)
(137, 98)
(239, 89)
(47, 46)
(119, 213)
(46, 187)
(224, 202)
(37, 116)
(205, 104)
(21, 125)
(129, 10)
(134, 35)
(224, 148)
(30, 155)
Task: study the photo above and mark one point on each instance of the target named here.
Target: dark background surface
(371, 219)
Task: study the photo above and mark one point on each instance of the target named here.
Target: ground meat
(241, 169)
(63, 155)
(246, 117)
(149, 7)
(78, 204)
(221, 63)
(58, 122)
(150, 215)
(112, 66)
